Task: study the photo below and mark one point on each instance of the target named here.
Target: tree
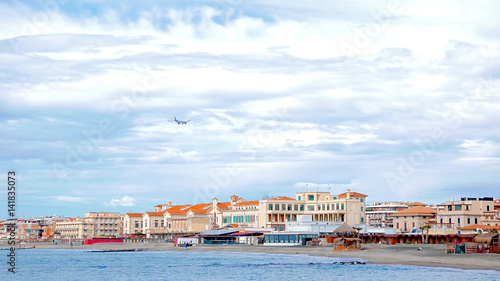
(425, 230)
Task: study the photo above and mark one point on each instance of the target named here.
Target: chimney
(169, 203)
(348, 194)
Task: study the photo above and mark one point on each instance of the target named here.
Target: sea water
(73, 264)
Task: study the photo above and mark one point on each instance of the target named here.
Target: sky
(398, 100)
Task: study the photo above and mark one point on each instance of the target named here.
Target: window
(311, 197)
(468, 220)
(283, 207)
(361, 199)
(295, 207)
(270, 207)
(397, 225)
(413, 224)
(327, 207)
(475, 220)
(458, 208)
(334, 197)
(337, 206)
(302, 207)
(362, 219)
(310, 207)
(289, 207)
(488, 208)
(458, 219)
(342, 206)
(319, 207)
(277, 207)
(300, 198)
(156, 223)
(449, 220)
(137, 225)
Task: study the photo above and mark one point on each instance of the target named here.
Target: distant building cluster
(319, 212)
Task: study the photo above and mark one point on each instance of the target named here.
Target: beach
(428, 255)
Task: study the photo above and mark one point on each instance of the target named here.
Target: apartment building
(466, 212)
(410, 220)
(94, 224)
(379, 214)
(71, 228)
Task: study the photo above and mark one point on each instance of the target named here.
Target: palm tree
(425, 229)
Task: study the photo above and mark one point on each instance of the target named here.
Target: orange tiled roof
(224, 205)
(476, 226)
(178, 208)
(197, 211)
(199, 206)
(417, 204)
(418, 211)
(177, 212)
(134, 214)
(496, 202)
(282, 198)
(353, 194)
(155, 213)
(248, 203)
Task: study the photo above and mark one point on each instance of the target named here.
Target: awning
(218, 232)
(246, 234)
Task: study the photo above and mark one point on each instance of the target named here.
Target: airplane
(179, 122)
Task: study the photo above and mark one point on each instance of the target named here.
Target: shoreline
(429, 255)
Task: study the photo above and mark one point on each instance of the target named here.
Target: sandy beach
(429, 255)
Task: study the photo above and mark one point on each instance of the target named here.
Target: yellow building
(94, 224)
(467, 211)
(410, 220)
(132, 223)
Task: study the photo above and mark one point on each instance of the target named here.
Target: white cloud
(267, 89)
(69, 199)
(126, 201)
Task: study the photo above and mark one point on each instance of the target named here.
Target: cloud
(69, 199)
(266, 87)
(126, 201)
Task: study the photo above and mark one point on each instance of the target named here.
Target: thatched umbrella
(344, 228)
(485, 238)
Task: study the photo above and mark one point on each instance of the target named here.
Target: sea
(73, 264)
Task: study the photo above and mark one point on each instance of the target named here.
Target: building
(410, 220)
(72, 228)
(467, 211)
(305, 223)
(153, 223)
(379, 214)
(94, 224)
(28, 228)
(133, 224)
(103, 224)
(242, 213)
(322, 206)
